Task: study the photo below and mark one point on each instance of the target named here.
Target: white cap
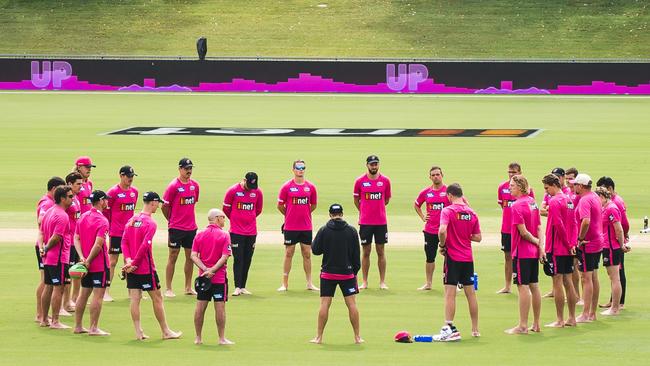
(582, 179)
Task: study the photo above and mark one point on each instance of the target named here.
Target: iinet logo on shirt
(127, 207)
(373, 196)
(435, 206)
(464, 216)
(300, 200)
(187, 201)
(245, 206)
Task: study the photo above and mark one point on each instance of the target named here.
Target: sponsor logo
(533, 206)
(293, 189)
(407, 76)
(246, 206)
(373, 196)
(300, 200)
(325, 132)
(435, 206)
(234, 245)
(192, 188)
(430, 195)
(121, 195)
(187, 200)
(181, 189)
(253, 194)
(77, 215)
(307, 189)
(55, 280)
(86, 201)
(380, 184)
(464, 216)
(137, 223)
(127, 207)
(287, 241)
(352, 290)
(50, 73)
(146, 285)
(132, 194)
(509, 203)
(366, 184)
(443, 194)
(570, 205)
(611, 217)
(218, 296)
(239, 194)
(97, 282)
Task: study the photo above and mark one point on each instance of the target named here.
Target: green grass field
(43, 133)
(344, 28)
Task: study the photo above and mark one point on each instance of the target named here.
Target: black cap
(336, 208)
(127, 170)
(185, 163)
(97, 195)
(152, 196)
(251, 180)
(372, 159)
(558, 172)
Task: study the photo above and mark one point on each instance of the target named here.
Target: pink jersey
(506, 200)
(181, 198)
(436, 200)
(590, 208)
(610, 216)
(461, 223)
(137, 242)
(74, 213)
(121, 207)
(620, 204)
(56, 221)
(43, 205)
(93, 225)
(524, 211)
(560, 212)
(566, 190)
(298, 200)
(211, 244)
(242, 208)
(372, 194)
(84, 196)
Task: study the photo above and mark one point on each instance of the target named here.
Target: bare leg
(507, 269)
(365, 265)
(136, 296)
(76, 287)
(113, 258)
(306, 265)
(428, 270)
(80, 307)
(39, 295)
(46, 300)
(572, 299)
(67, 303)
(450, 303)
(559, 302)
(169, 271)
(57, 298)
(189, 271)
(289, 250)
(323, 314)
(594, 297)
(220, 315)
(524, 308)
(537, 306)
(472, 302)
(381, 263)
(159, 312)
(353, 313)
(95, 310)
(199, 315)
(615, 280)
(587, 294)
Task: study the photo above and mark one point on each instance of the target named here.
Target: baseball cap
(97, 195)
(127, 170)
(152, 196)
(185, 163)
(582, 179)
(85, 161)
(336, 209)
(202, 284)
(403, 337)
(251, 180)
(372, 159)
(558, 172)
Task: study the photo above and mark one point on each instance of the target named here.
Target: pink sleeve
(198, 190)
(60, 225)
(477, 226)
(226, 248)
(357, 188)
(196, 244)
(314, 195)
(532, 193)
(282, 195)
(77, 228)
(444, 216)
(516, 215)
(421, 198)
(260, 202)
(125, 240)
(170, 193)
(102, 230)
(388, 193)
(583, 211)
(614, 215)
(227, 202)
(499, 197)
(147, 242)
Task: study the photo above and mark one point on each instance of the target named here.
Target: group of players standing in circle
(78, 224)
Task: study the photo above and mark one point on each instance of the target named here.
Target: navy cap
(372, 159)
(152, 196)
(97, 195)
(336, 208)
(185, 163)
(127, 170)
(251, 180)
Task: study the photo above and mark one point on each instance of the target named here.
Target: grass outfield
(344, 28)
(271, 328)
(43, 133)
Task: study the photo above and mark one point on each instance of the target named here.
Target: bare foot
(424, 287)
(609, 312)
(555, 324)
(604, 306)
(80, 330)
(237, 292)
(311, 287)
(190, 291)
(535, 329)
(548, 294)
(108, 298)
(570, 323)
(44, 324)
(282, 288)
(516, 330)
(363, 286)
(580, 302)
(63, 312)
(383, 286)
(169, 293)
(358, 340)
(98, 333)
(592, 317)
(316, 340)
(582, 319)
(170, 334)
(621, 307)
(244, 291)
(504, 290)
(198, 341)
(70, 307)
(225, 342)
(141, 336)
(58, 325)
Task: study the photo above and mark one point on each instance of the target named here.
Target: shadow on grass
(339, 347)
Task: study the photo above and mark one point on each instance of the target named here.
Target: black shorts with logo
(379, 232)
(56, 275)
(588, 262)
(562, 264)
(181, 238)
(292, 237)
(116, 245)
(39, 259)
(218, 292)
(74, 256)
(457, 273)
(506, 240)
(97, 279)
(144, 282)
(431, 242)
(525, 271)
(612, 257)
(348, 287)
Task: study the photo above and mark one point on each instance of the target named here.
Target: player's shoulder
(173, 183)
(362, 177)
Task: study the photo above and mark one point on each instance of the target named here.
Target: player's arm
(227, 204)
(197, 261)
(55, 240)
(442, 236)
(166, 210)
(526, 235)
(96, 249)
(357, 202)
(356, 252)
(219, 264)
(77, 246)
(356, 193)
(168, 197)
(317, 243)
(314, 199)
(540, 236)
(260, 203)
(584, 226)
(620, 236)
(418, 210)
(387, 194)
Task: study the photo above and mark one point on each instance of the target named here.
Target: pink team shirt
(74, 213)
(590, 208)
(181, 199)
(620, 204)
(461, 223)
(560, 212)
(43, 205)
(121, 207)
(211, 244)
(93, 225)
(84, 196)
(242, 208)
(137, 242)
(436, 200)
(547, 197)
(298, 199)
(573, 226)
(56, 221)
(372, 194)
(506, 200)
(524, 211)
(610, 216)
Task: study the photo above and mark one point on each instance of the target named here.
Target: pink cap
(84, 160)
(403, 336)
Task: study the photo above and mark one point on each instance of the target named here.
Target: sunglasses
(300, 167)
(71, 196)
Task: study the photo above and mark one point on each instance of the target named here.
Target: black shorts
(218, 292)
(56, 275)
(457, 273)
(97, 279)
(525, 271)
(39, 259)
(431, 242)
(562, 264)
(242, 241)
(292, 237)
(144, 282)
(380, 232)
(181, 238)
(74, 256)
(506, 240)
(116, 245)
(588, 262)
(612, 257)
(348, 287)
